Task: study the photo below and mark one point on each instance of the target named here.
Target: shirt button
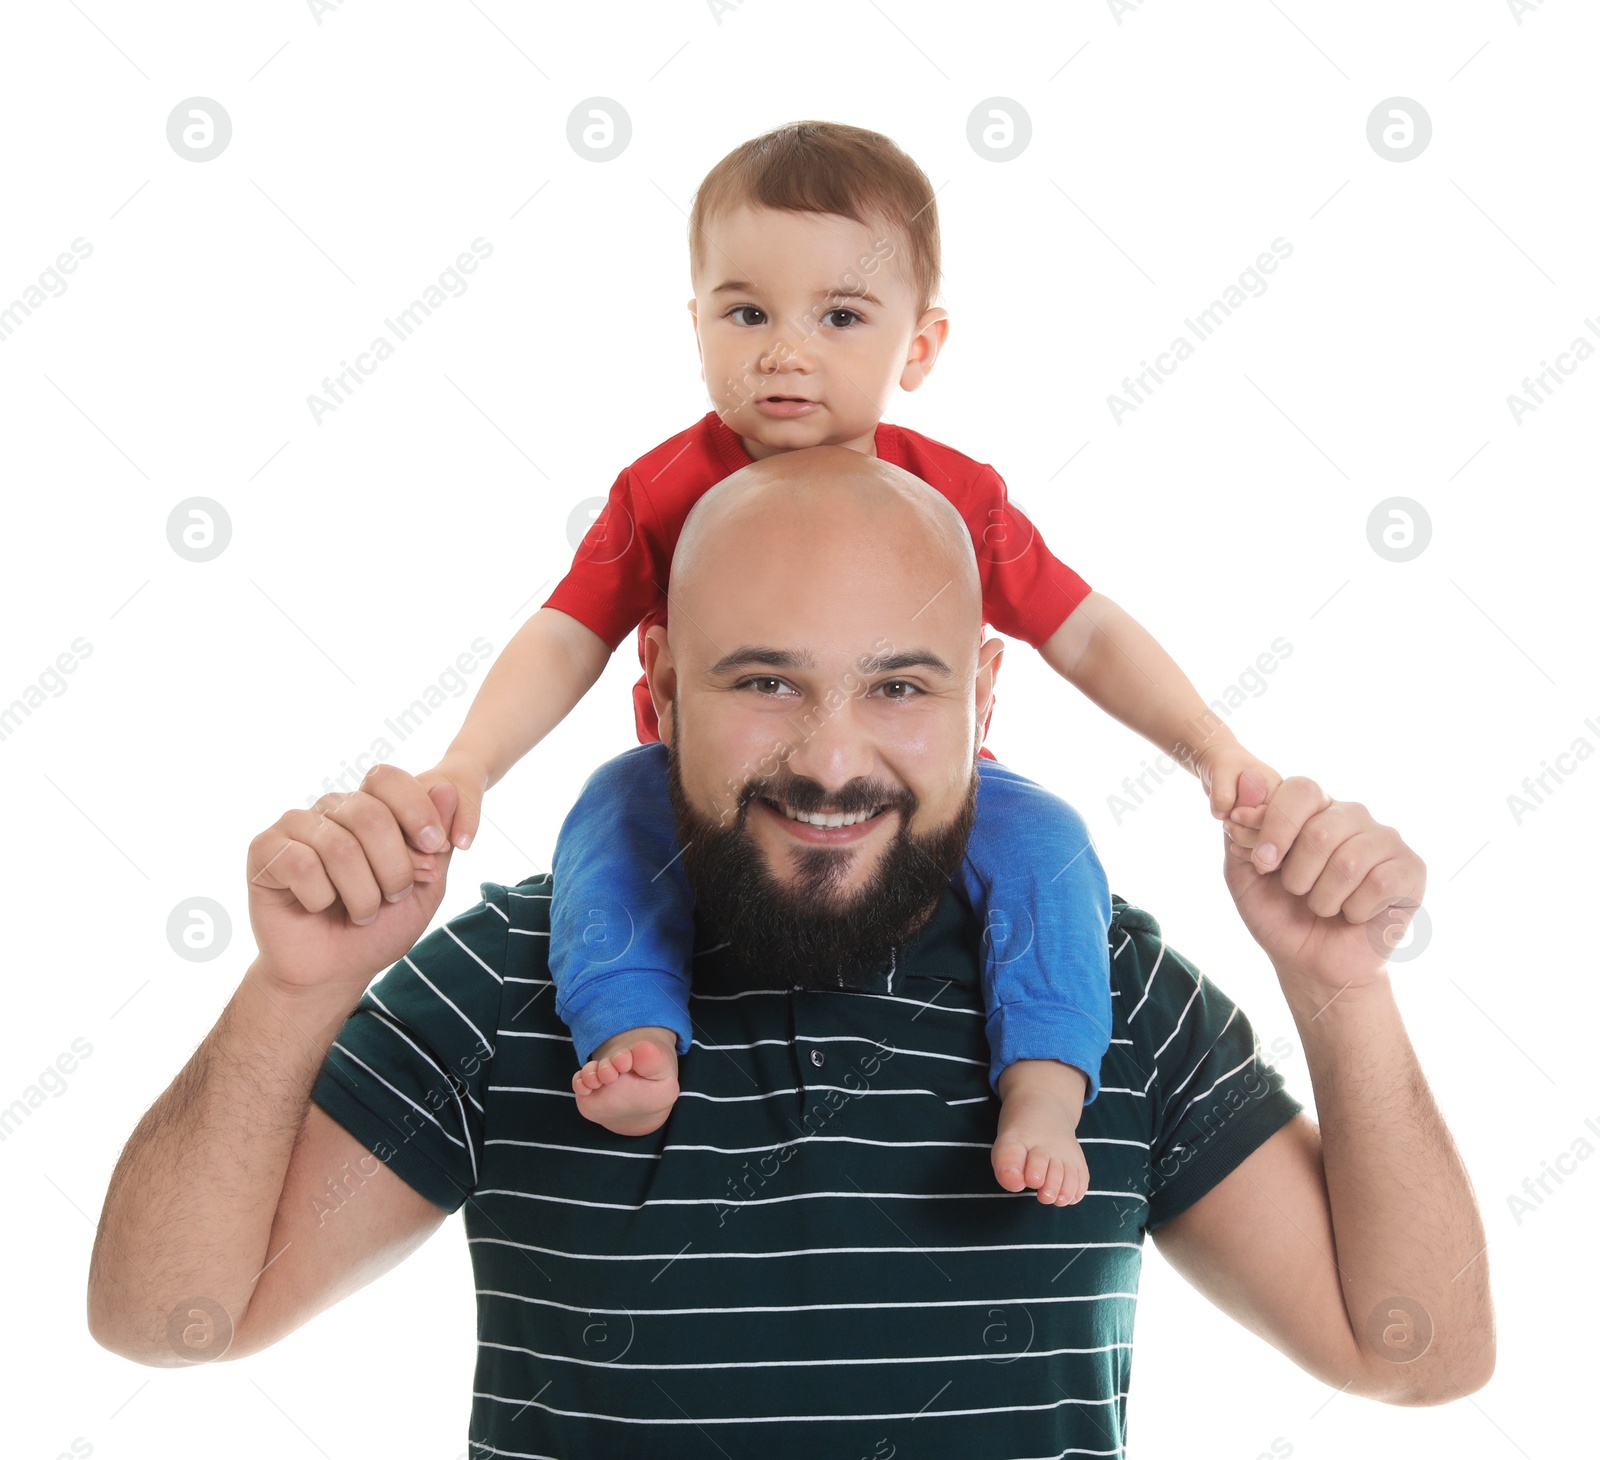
(817, 1057)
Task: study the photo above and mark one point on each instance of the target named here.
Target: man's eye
(902, 684)
(739, 311)
(841, 318)
(763, 684)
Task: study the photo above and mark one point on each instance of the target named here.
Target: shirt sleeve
(407, 1072)
(617, 573)
(1027, 591)
(1212, 1098)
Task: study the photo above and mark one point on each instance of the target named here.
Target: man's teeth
(830, 818)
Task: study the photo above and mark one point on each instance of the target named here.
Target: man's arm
(1356, 1249)
(216, 1199)
(192, 1258)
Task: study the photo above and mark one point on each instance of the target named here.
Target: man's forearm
(190, 1206)
(1409, 1241)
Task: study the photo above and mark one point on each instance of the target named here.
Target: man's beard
(805, 932)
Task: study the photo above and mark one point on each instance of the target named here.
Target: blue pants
(622, 922)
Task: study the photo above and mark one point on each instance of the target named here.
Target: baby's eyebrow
(743, 286)
(851, 292)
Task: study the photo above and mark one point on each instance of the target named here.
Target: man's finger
(281, 860)
(1399, 881)
(370, 861)
(1317, 842)
(409, 803)
(1295, 802)
(1345, 870)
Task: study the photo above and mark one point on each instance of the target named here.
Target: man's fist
(335, 892)
(1327, 907)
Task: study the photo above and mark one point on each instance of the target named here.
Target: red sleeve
(1027, 591)
(617, 575)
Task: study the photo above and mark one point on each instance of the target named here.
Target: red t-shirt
(618, 578)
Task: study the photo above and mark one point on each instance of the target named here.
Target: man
(811, 1254)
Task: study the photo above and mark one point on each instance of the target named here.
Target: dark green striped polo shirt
(811, 1257)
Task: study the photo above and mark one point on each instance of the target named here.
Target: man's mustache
(806, 795)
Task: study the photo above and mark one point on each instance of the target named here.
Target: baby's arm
(550, 664)
(1107, 654)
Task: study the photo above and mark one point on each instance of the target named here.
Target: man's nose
(830, 747)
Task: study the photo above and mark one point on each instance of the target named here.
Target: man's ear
(662, 679)
(990, 653)
(925, 346)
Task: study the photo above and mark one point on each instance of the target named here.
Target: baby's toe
(1036, 1167)
(1007, 1158)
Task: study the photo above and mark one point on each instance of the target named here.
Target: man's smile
(823, 828)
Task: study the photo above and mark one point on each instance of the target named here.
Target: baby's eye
(841, 318)
(739, 310)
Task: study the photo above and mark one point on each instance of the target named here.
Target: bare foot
(1041, 1103)
(631, 1091)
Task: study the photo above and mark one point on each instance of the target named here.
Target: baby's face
(807, 322)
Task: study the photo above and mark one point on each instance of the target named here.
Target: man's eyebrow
(905, 659)
(764, 655)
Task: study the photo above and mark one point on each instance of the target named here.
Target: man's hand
(1331, 908)
(316, 876)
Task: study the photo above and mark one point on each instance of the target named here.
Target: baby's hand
(1220, 767)
(470, 780)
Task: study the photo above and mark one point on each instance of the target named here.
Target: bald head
(846, 513)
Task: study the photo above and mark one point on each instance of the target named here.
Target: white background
(1169, 148)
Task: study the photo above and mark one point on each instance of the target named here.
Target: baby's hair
(827, 167)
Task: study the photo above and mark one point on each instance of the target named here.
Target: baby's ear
(926, 343)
